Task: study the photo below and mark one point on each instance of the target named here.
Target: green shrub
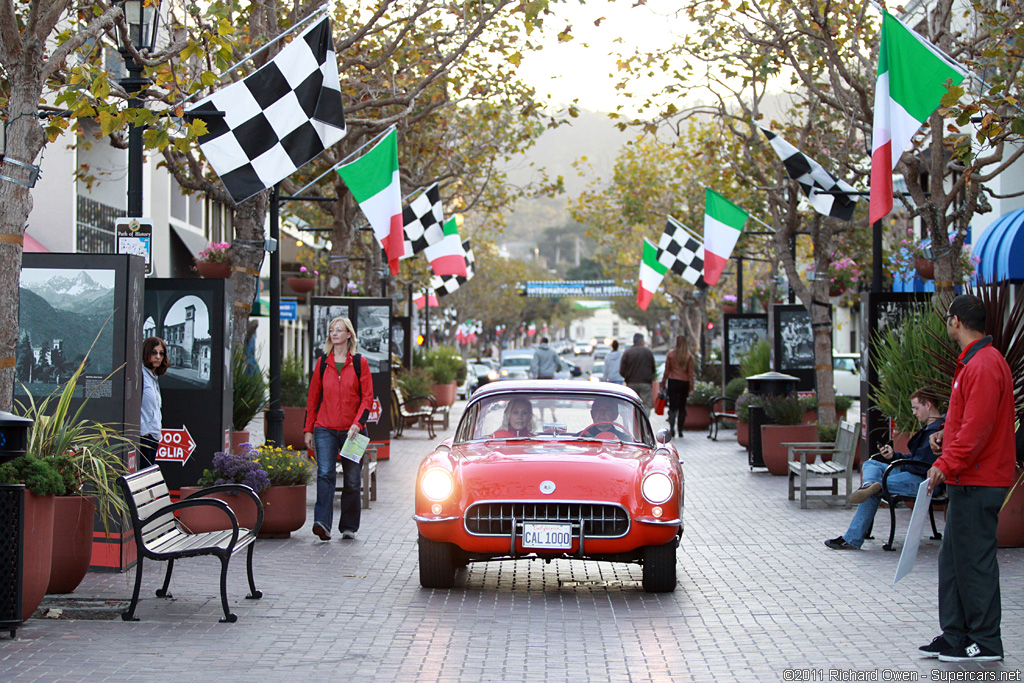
(735, 387)
(809, 402)
(757, 360)
(743, 404)
(701, 394)
(294, 383)
(843, 403)
(445, 365)
(827, 433)
(250, 391)
(784, 410)
(39, 475)
(415, 382)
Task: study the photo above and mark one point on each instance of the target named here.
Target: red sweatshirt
(345, 400)
(978, 445)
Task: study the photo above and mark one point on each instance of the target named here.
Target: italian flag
(911, 82)
(446, 256)
(425, 300)
(373, 181)
(652, 272)
(723, 223)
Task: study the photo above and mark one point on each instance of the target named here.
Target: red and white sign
(374, 411)
(176, 445)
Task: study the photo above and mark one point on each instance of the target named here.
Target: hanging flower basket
(925, 268)
(302, 285)
(215, 271)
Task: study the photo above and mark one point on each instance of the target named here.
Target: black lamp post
(143, 23)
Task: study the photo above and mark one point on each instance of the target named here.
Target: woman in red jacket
(337, 408)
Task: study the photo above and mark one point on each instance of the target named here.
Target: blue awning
(1000, 249)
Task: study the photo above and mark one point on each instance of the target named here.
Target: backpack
(357, 363)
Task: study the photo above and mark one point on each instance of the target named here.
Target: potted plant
(698, 415)
(729, 303)
(284, 501)
(445, 367)
(213, 262)
(294, 389)
(311, 264)
(786, 415)
(241, 467)
(42, 483)
(761, 292)
(249, 395)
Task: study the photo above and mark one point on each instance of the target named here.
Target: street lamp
(143, 23)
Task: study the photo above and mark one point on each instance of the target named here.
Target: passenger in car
(517, 420)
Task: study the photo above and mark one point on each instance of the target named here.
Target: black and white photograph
(186, 331)
(62, 312)
(742, 332)
(796, 343)
(372, 331)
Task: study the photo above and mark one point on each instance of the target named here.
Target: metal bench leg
(130, 614)
(162, 592)
(229, 618)
(936, 536)
(892, 525)
(253, 593)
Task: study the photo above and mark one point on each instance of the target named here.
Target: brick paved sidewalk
(758, 594)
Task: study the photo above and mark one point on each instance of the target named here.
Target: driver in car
(604, 412)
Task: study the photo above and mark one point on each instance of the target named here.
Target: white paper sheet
(917, 520)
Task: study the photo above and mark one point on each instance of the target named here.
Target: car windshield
(519, 361)
(548, 416)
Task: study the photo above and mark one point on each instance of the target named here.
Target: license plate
(537, 535)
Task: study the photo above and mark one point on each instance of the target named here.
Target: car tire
(437, 564)
(660, 568)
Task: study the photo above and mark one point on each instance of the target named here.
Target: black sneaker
(839, 543)
(972, 653)
(938, 645)
(321, 531)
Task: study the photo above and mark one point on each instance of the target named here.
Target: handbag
(659, 403)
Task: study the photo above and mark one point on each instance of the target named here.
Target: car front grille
(600, 520)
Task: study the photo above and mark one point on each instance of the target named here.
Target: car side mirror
(662, 436)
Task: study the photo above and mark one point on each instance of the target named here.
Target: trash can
(765, 384)
(13, 444)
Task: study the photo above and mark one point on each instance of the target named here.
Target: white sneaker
(348, 534)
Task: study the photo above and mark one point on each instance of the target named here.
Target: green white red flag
(723, 223)
(912, 77)
(373, 181)
(446, 256)
(652, 272)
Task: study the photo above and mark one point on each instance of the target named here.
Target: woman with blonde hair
(517, 421)
(677, 380)
(337, 408)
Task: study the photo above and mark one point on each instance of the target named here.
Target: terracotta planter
(925, 268)
(72, 542)
(774, 453)
(284, 511)
(302, 285)
(237, 439)
(697, 417)
(444, 394)
(729, 308)
(1010, 531)
(38, 549)
(294, 424)
(200, 519)
(743, 433)
(214, 271)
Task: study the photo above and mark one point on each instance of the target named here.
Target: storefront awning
(195, 242)
(1000, 250)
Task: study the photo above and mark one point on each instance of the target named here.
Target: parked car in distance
(477, 375)
(601, 350)
(846, 374)
(597, 371)
(592, 483)
(515, 364)
(582, 348)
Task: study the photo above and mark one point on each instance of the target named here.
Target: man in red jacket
(977, 466)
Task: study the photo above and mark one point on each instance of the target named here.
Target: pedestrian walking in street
(637, 367)
(977, 466)
(337, 408)
(154, 364)
(545, 362)
(611, 364)
(905, 481)
(677, 380)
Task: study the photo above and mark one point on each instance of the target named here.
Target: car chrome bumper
(421, 518)
(659, 521)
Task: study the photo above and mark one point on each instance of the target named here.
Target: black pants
(678, 391)
(147, 451)
(970, 610)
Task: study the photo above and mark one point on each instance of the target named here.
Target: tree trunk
(246, 255)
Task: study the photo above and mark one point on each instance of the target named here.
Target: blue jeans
(328, 444)
(901, 482)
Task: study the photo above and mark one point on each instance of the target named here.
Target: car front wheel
(437, 564)
(659, 568)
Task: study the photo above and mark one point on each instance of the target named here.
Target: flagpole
(691, 231)
(357, 151)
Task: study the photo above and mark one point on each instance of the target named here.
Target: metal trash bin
(13, 444)
(765, 384)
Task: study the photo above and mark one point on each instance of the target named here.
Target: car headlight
(492, 375)
(657, 488)
(437, 484)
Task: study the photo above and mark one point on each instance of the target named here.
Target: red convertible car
(547, 469)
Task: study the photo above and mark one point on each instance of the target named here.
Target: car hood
(579, 471)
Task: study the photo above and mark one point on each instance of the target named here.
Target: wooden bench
(418, 408)
(719, 410)
(369, 477)
(160, 536)
(843, 452)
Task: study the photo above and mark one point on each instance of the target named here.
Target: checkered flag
(277, 119)
(814, 180)
(446, 284)
(423, 220)
(681, 252)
